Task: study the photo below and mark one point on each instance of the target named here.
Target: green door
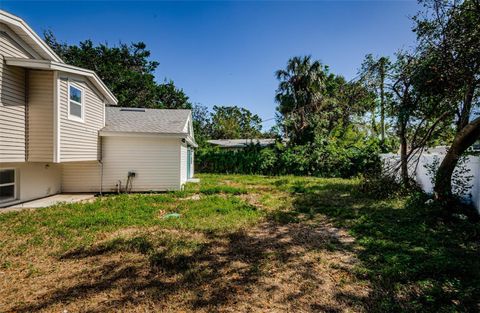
(189, 161)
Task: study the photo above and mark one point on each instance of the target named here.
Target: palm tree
(299, 91)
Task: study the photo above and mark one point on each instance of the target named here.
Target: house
(61, 132)
(236, 144)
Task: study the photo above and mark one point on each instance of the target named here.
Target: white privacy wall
(424, 180)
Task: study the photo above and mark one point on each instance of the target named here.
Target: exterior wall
(9, 47)
(183, 162)
(81, 176)
(79, 141)
(155, 162)
(40, 116)
(35, 180)
(12, 102)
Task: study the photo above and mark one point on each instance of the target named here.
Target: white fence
(423, 178)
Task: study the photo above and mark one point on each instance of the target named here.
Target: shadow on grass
(217, 273)
(413, 259)
(409, 260)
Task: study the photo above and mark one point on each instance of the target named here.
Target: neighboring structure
(236, 144)
(57, 135)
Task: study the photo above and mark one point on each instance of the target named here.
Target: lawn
(240, 244)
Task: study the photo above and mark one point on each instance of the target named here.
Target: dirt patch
(194, 197)
(252, 199)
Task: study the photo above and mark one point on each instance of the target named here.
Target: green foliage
(324, 158)
(170, 97)
(312, 101)
(216, 160)
(125, 69)
(381, 185)
(232, 122)
(448, 36)
(201, 123)
(225, 122)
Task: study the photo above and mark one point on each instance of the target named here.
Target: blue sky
(226, 53)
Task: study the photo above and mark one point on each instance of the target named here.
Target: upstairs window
(7, 185)
(75, 103)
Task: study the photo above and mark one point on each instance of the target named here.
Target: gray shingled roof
(240, 143)
(145, 120)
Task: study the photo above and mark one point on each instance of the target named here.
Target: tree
(299, 94)
(170, 97)
(201, 123)
(347, 102)
(232, 122)
(449, 41)
(374, 73)
(418, 117)
(313, 102)
(125, 69)
(404, 106)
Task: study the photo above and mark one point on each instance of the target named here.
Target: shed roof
(241, 143)
(149, 121)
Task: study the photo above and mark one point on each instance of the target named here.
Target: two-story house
(61, 132)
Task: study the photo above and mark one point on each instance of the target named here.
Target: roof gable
(25, 33)
(44, 58)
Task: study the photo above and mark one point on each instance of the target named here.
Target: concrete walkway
(49, 201)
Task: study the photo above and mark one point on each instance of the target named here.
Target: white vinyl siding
(81, 176)
(183, 162)
(12, 102)
(8, 46)
(79, 141)
(155, 161)
(40, 116)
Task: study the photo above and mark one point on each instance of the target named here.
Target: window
(75, 105)
(7, 185)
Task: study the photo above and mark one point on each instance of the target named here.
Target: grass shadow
(219, 272)
(414, 261)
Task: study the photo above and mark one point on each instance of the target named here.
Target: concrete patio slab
(49, 201)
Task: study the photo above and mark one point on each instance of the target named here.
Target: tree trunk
(382, 101)
(403, 155)
(374, 123)
(463, 140)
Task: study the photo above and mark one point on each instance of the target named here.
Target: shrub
(323, 158)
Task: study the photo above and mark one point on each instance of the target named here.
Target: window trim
(82, 103)
(15, 185)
